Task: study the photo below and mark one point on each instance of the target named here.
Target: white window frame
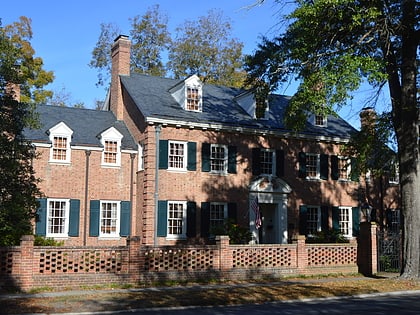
(225, 159)
(117, 219)
(225, 213)
(342, 223)
(318, 165)
(347, 161)
(320, 117)
(199, 89)
(65, 217)
(183, 221)
(111, 135)
(318, 222)
(184, 157)
(394, 175)
(273, 161)
(60, 130)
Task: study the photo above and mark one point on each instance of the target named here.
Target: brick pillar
(225, 256)
(135, 260)
(26, 262)
(367, 252)
(301, 254)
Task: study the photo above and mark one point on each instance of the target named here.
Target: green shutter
(125, 218)
(334, 167)
(256, 163)
(356, 220)
(232, 213)
(323, 164)
(162, 225)
(205, 219)
(336, 218)
(205, 157)
(41, 218)
(163, 154)
(192, 156)
(303, 219)
(324, 218)
(94, 217)
(232, 159)
(74, 217)
(191, 219)
(355, 172)
(302, 164)
(279, 163)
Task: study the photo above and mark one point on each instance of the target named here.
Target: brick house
(167, 160)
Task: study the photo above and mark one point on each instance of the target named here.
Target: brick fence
(27, 266)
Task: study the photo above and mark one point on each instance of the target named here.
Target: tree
(332, 47)
(149, 37)
(205, 48)
(20, 34)
(18, 184)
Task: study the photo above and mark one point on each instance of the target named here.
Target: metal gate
(389, 251)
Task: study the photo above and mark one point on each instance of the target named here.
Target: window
(313, 220)
(57, 217)
(177, 219)
(111, 141)
(345, 221)
(193, 98)
(267, 160)
(394, 174)
(218, 158)
(60, 137)
(141, 157)
(177, 157)
(344, 168)
(218, 214)
(320, 120)
(109, 218)
(312, 165)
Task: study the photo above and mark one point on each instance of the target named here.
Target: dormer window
(60, 137)
(320, 120)
(111, 141)
(193, 98)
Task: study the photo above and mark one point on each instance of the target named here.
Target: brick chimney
(120, 53)
(367, 118)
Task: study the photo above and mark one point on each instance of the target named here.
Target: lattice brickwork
(259, 257)
(6, 262)
(320, 255)
(80, 260)
(178, 259)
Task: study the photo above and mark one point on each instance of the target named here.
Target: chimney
(13, 90)
(367, 118)
(120, 54)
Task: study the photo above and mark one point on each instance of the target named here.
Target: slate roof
(152, 97)
(87, 125)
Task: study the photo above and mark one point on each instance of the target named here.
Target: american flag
(256, 208)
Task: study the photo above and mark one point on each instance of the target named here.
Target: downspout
(132, 156)
(158, 128)
(87, 152)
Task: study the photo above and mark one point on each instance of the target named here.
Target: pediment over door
(270, 184)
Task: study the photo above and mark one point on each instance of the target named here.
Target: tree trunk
(406, 121)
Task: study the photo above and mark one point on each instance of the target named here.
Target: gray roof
(152, 97)
(87, 125)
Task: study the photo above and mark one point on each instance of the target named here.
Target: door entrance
(268, 230)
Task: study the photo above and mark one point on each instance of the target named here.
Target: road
(393, 303)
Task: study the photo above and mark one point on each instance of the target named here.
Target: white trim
(225, 158)
(183, 235)
(118, 218)
(60, 130)
(350, 222)
(111, 135)
(185, 156)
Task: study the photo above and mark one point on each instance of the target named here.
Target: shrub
(329, 236)
(237, 234)
(43, 241)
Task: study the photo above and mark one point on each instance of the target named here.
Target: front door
(268, 229)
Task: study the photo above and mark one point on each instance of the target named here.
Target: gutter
(158, 129)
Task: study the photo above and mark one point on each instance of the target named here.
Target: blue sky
(65, 33)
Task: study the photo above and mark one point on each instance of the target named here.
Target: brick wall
(27, 266)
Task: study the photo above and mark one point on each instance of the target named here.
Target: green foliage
(18, 184)
(31, 75)
(237, 234)
(328, 236)
(43, 241)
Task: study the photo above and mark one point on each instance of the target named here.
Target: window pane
(175, 218)
(343, 168)
(218, 159)
(217, 215)
(176, 155)
(312, 220)
(344, 221)
(110, 152)
(60, 148)
(311, 165)
(193, 99)
(109, 218)
(56, 217)
(266, 158)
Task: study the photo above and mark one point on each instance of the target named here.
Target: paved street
(378, 304)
